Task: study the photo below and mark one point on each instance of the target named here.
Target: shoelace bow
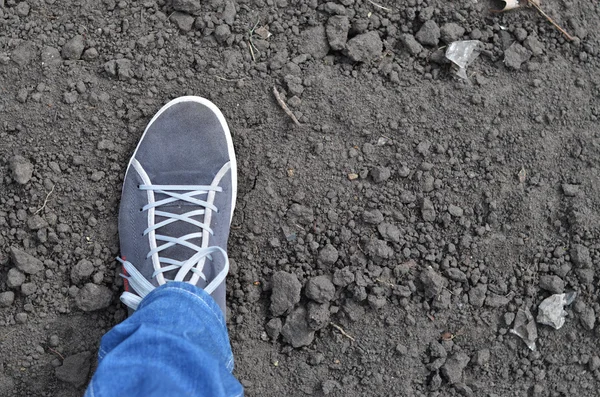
(195, 263)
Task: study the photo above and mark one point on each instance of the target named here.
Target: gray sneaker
(177, 203)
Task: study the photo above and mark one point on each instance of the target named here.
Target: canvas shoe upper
(177, 202)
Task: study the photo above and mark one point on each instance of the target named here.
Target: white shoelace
(195, 263)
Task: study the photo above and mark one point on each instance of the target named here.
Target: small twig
(45, 201)
(284, 106)
(342, 332)
(54, 351)
(537, 7)
(380, 6)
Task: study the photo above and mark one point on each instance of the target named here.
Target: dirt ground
(386, 246)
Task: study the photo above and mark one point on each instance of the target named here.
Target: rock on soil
(364, 47)
(286, 293)
(25, 262)
(296, 331)
(320, 289)
(75, 369)
(21, 168)
(93, 297)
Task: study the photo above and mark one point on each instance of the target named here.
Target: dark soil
(400, 229)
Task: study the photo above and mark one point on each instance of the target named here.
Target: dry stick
(45, 201)
(284, 106)
(251, 51)
(537, 7)
(380, 6)
(342, 331)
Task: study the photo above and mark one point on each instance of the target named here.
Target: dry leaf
(263, 32)
(447, 336)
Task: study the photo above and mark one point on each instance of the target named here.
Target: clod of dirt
(427, 210)
(318, 315)
(7, 298)
(328, 255)
(22, 9)
(36, 222)
(482, 357)
(451, 32)
(389, 232)
(21, 168)
(190, 6)
(580, 255)
(534, 45)
(222, 33)
(25, 53)
(286, 293)
(411, 44)
(273, 328)
(28, 289)
(477, 295)
(229, 12)
(343, 277)
(373, 217)
(364, 47)
(25, 262)
(73, 48)
(313, 41)
(120, 68)
(587, 315)
(81, 271)
(337, 32)
(183, 21)
(380, 174)
(51, 57)
(429, 34)
(93, 297)
(516, 55)
(552, 283)
(296, 331)
(15, 278)
(320, 289)
(453, 368)
(75, 369)
(432, 282)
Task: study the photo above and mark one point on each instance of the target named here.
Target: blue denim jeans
(174, 344)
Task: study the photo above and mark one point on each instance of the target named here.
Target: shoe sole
(230, 149)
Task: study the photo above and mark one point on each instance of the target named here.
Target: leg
(175, 344)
